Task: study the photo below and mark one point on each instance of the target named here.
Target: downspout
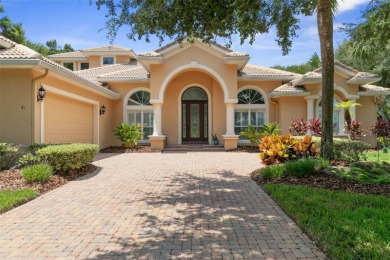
(276, 108)
(33, 100)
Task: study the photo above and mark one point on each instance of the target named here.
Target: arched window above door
(139, 98)
(194, 93)
(250, 96)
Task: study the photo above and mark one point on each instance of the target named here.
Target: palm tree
(347, 105)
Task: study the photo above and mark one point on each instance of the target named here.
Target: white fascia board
(362, 81)
(129, 80)
(264, 78)
(68, 58)
(342, 70)
(288, 94)
(373, 93)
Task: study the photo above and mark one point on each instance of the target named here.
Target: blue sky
(78, 23)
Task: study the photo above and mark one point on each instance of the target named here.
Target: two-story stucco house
(180, 94)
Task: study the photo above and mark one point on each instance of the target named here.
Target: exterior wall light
(102, 110)
(41, 94)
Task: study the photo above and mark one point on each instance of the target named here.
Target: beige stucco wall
(290, 108)
(94, 61)
(197, 56)
(123, 59)
(15, 106)
(367, 115)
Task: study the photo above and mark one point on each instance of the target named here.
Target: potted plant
(215, 139)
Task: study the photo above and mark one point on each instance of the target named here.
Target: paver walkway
(157, 206)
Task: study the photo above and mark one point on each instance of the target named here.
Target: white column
(310, 111)
(230, 119)
(353, 110)
(157, 119)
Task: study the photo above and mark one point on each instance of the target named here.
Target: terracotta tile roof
(368, 87)
(289, 88)
(253, 70)
(236, 54)
(112, 48)
(340, 65)
(150, 54)
(133, 73)
(95, 73)
(73, 54)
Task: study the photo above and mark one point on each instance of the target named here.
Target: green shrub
(321, 164)
(252, 134)
(35, 147)
(272, 172)
(300, 168)
(281, 148)
(28, 159)
(272, 128)
(37, 173)
(68, 156)
(128, 134)
(349, 150)
(9, 155)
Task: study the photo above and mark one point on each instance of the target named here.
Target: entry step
(194, 148)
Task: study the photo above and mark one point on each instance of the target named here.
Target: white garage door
(67, 120)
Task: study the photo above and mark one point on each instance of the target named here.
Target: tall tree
(13, 31)
(212, 19)
(312, 64)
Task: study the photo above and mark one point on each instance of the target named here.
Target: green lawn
(373, 156)
(347, 225)
(10, 199)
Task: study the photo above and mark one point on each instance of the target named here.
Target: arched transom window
(140, 111)
(338, 118)
(250, 110)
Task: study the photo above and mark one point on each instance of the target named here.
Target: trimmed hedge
(68, 156)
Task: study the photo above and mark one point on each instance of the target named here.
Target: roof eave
(241, 61)
(68, 58)
(289, 94)
(124, 80)
(363, 81)
(373, 93)
(264, 78)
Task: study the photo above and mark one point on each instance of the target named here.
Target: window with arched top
(338, 115)
(250, 110)
(140, 111)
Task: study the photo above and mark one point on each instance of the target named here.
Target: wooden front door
(194, 120)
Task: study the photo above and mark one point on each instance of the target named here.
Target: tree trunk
(325, 31)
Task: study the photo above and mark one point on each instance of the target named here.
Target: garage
(67, 120)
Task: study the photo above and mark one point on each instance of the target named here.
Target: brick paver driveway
(157, 206)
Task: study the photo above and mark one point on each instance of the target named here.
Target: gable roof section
(175, 43)
(84, 53)
(373, 90)
(16, 55)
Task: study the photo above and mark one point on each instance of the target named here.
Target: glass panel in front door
(194, 121)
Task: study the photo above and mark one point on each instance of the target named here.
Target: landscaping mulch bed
(121, 149)
(13, 180)
(328, 181)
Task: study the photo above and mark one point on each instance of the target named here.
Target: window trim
(341, 131)
(102, 57)
(83, 62)
(264, 106)
(127, 108)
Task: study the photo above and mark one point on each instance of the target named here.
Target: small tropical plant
(270, 129)
(299, 126)
(272, 172)
(381, 130)
(252, 134)
(315, 126)
(37, 173)
(355, 130)
(346, 105)
(215, 137)
(128, 134)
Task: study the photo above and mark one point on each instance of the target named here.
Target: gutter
(33, 100)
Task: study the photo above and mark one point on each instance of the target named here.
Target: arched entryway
(195, 116)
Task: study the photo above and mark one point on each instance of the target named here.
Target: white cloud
(347, 5)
